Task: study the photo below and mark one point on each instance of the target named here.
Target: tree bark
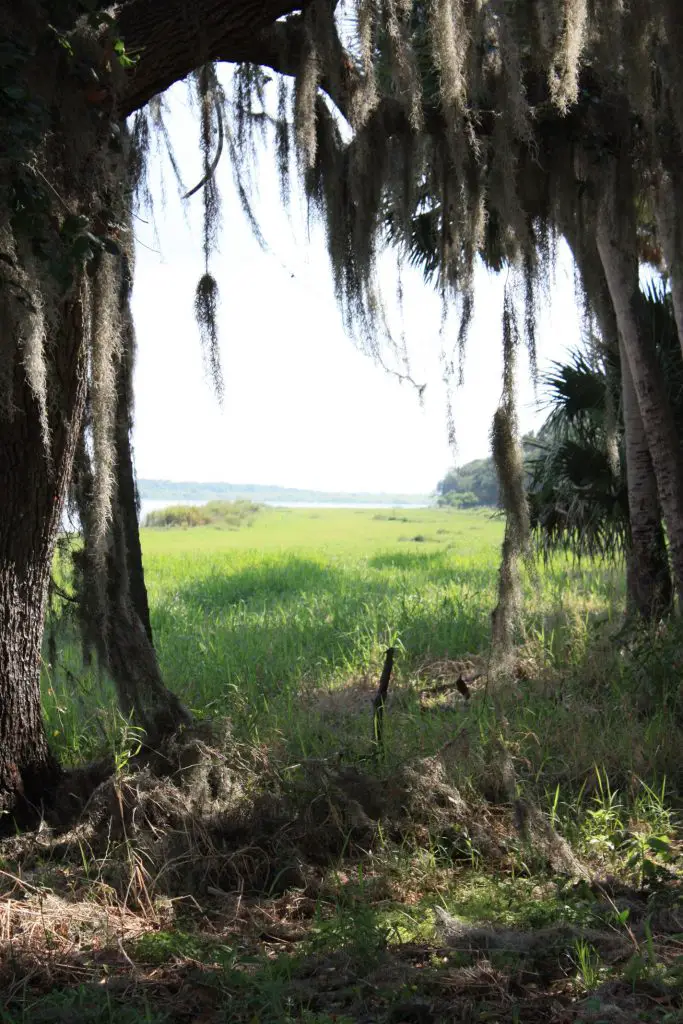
(171, 39)
(113, 596)
(648, 576)
(649, 587)
(128, 647)
(670, 226)
(127, 492)
(616, 244)
(34, 481)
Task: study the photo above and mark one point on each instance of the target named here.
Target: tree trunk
(128, 503)
(34, 481)
(61, 176)
(669, 214)
(128, 648)
(616, 245)
(127, 492)
(648, 577)
(113, 595)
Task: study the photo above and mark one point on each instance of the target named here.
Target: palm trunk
(669, 213)
(34, 481)
(616, 245)
(648, 577)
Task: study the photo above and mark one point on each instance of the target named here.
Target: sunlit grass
(246, 621)
(281, 626)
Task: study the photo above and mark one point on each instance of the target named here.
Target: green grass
(245, 620)
(280, 625)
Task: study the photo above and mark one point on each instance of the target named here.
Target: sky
(303, 406)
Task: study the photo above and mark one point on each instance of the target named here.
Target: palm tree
(584, 469)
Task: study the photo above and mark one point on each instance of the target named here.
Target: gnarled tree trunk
(34, 480)
(128, 648)
(62, 92)
(113, 596)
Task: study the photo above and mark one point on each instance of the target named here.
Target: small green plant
(603, 827)
(125, 741)
(125, 59)
(587, 963)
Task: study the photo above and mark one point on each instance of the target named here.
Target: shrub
(224, 514)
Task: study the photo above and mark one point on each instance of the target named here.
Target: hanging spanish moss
(211, 101)
(206, 310)
(564, 70)
(305, 97)
(283, 140)
(508, 462)
(106, 352)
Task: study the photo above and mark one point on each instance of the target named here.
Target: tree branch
(172, 38)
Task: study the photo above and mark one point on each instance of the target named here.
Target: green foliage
(578, 498)
(477, 478)
(88, 1005)
(458, 499)
(588, 965)
(230, 515)
(577, 489)
(306, 601)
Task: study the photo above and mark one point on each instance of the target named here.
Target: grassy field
(248, 620)
(513, 857)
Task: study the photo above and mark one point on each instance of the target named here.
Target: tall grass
(249, 623)
(282, 628)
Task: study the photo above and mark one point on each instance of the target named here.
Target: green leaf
(660, 844)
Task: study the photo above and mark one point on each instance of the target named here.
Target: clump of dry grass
(208, 814)
(255, 853)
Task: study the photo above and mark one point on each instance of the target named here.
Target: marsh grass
(282, 628)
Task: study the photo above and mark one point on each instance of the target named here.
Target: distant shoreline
(170, 490)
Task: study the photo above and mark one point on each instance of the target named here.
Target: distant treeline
(473, 484)
(170, 490)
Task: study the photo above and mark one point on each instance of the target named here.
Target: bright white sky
(303, 407)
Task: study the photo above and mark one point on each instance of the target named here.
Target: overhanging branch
(172, 38)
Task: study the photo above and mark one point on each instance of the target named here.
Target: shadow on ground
(275, 962)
